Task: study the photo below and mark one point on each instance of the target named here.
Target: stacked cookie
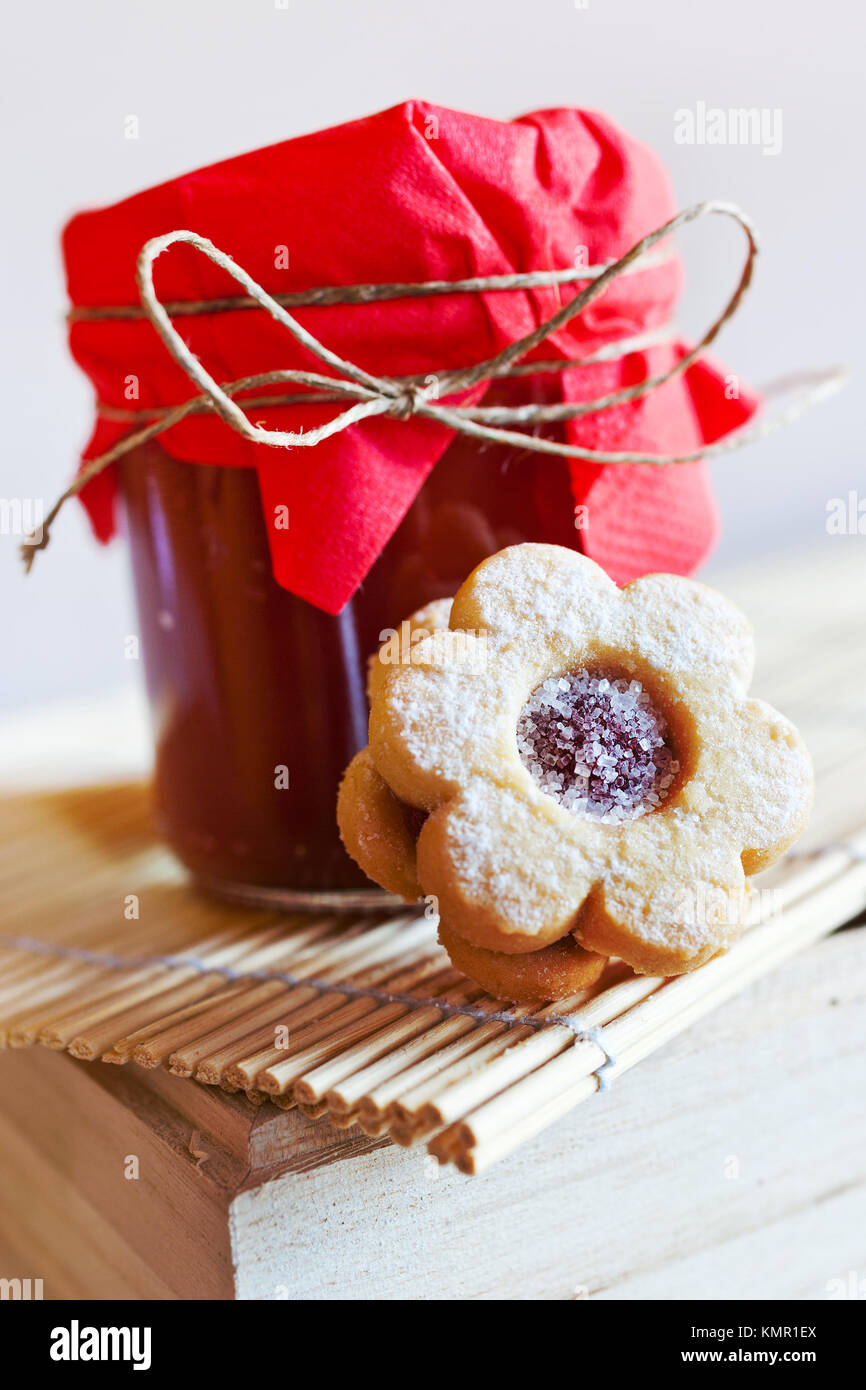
(572, 772)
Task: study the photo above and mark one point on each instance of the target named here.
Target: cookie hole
(606, 741)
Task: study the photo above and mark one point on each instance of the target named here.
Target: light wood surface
(631, 1195)
(628, 1196)
(727, 1172)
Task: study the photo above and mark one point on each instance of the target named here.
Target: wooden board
(635, 1195)
(774, 1079)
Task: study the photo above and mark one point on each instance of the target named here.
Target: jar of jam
(389, 237)
(258, 698)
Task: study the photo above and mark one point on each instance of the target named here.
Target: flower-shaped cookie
(589, 763)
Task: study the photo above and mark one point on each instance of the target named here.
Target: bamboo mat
(108, 953)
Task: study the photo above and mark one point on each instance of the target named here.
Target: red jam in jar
(258, 698)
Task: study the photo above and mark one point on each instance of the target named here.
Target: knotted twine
(401, 398)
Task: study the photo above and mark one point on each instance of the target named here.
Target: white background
(211, 78)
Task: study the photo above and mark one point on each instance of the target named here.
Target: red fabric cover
(416, 192)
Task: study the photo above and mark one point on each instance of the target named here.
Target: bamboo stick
(375, 1128)
(13, 1023)
(335, 1081)
(331, 1011)
(312, 1112)
(121, 1050)
(173, 1033)
(98, 1041)
(401, 1097)
(56, 980)
(151, 1045)
(530, 1049)
(356, 1021)
(414, 1112)
(334, 962)
(91, 1028)
(96, 984)
(247, 1050)
(343, 1120)
(251, 1007)
(27, 970)
(432, 1040)
(505, 1121)
(410, 1112)
(183, 986)
(108, 993)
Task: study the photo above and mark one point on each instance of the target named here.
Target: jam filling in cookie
(597, 745)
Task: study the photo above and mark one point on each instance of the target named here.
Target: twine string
(851, 848)
(403, 398)
(385, 395)
(610, 352)
(327, 295)
(200, 965)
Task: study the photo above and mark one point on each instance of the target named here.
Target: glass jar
(258, 698)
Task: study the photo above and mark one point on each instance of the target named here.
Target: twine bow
(403, 398)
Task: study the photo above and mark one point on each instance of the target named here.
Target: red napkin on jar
(417, 192)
